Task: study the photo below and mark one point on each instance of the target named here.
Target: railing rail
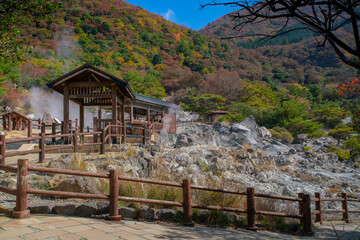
(73, 139)
(304, 211)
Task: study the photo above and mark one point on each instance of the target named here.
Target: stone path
(61, 227)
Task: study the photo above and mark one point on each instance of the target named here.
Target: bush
(354, 146)
(299, 125)
(330, 114)
(341, 153)
(341, 132)
(282, 134)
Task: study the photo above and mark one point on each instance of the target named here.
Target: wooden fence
(74, 139)
(303, 200)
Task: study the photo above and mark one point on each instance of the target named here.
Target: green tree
(148, 85)
(13, 13)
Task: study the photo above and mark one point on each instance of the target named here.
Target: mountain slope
(131, 43)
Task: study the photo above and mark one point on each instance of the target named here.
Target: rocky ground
(229, 156)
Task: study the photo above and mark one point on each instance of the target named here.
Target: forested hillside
(288, 84)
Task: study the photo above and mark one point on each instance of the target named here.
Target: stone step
(27, 147)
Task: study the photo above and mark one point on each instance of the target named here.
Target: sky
(184, 12)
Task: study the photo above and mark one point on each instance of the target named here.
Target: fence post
(301, 195)
(114, 195)
(102, 146)
(344, 204)
(318, 215)
(21, 210)
(76, 146)
(30, 126)
(42, 147)
(307, 215)
(53, 131)
(187, 209)
(251, 209)
(43, 128)
(2, 149)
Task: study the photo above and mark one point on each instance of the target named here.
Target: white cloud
(169, 15)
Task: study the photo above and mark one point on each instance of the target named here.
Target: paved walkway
(60, 227)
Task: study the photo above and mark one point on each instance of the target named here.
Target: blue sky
(184, 12)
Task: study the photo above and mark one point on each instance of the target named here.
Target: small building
(216, 115)
(14, 121)
(90, 86)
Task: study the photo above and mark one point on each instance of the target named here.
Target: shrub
(282, 134)
(330, 114)
(343, 154)
(298, 125)
(342, 131)
(354, 146)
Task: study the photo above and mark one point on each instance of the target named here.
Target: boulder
(166, 214)
(263, 132)
(202, 216)
(288, 192)
(103, 207)
(43, 208)
(128, 212)
(238, 128)
(147, 213)
(183, 140)
(86, 210)
(300, 138)
(250, 123)
(77, 184)
(221, 128)
(67, 210)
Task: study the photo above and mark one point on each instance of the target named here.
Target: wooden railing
(74, 139)
(303, 200)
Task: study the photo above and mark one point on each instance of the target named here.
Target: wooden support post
(102, 146)
(131, 114)
(344, 204)
(53, 132)
(62, 130)
(9, 122)
(114, 196)
(82, 120)
(318, 215)
(21, 210)
(148, 116)
(39, 122)
(123, 123)
(23, 124)
(42, 147)
(114, 111)
(2, 149)
(66, 111)
(17, 123)
(187, 209)
(307, 215)
(144, 133)
(30, 127)
(250, 194)
(95, 129)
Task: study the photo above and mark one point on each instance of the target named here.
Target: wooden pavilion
(90, 86)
